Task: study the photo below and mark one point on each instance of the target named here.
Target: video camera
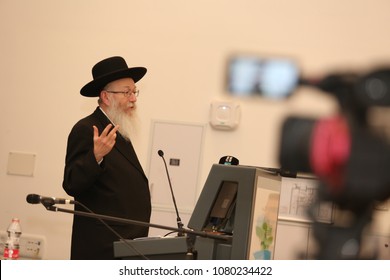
(350, 159)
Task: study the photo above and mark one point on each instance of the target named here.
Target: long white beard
(128, 124)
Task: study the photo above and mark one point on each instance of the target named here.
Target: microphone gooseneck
(178, 219)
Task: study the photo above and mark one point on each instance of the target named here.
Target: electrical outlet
(32, 247)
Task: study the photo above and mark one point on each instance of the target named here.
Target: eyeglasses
(126, 93)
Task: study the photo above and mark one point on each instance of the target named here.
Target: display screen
(225, 199)
(274, 78)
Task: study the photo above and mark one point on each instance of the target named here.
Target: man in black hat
(102, 170)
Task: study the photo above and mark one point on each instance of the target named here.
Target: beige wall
(49, 46)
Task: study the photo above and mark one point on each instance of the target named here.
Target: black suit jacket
(118, 187)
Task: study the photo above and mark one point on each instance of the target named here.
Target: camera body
(349, 159)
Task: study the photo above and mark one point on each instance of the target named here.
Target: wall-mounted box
(20, 163)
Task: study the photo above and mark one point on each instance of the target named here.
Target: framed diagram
(297, 196)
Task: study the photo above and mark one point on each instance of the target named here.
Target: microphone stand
(190, 237)
(178, 219)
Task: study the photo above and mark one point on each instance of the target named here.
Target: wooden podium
(173, 248)
(227, 206)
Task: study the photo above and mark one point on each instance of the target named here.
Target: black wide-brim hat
(108, 70)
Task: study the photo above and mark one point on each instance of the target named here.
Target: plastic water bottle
(11, 249)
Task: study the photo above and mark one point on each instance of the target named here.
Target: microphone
(47, 201)
(178, 219)
(229, 160)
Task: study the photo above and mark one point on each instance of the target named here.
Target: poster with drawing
(297, 195)
(265, 219)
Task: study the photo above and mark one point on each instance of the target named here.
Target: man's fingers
(114, 130)
(106, 133)
(106, 130)
(95, 132)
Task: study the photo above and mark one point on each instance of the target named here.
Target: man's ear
(104, 97)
